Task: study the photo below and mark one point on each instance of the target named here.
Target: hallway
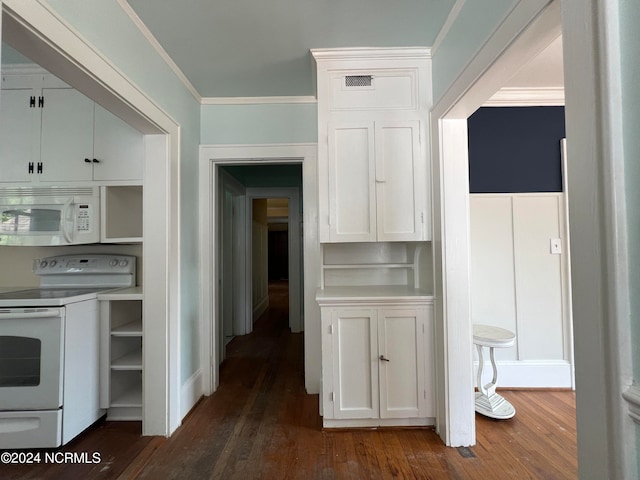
(260, 424)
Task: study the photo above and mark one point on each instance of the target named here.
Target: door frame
(295, 268)
(526, 31)
(211, 157)
(54, 44)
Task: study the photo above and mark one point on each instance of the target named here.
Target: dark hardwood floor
(260, 424)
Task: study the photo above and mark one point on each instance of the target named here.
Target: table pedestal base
(494, 406)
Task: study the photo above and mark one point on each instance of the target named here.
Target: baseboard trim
(191, 392)
(260, 307)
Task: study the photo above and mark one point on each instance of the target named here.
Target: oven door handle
(21, 315)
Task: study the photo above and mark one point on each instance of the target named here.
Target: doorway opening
(259, 231)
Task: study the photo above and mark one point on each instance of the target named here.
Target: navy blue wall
(515, 149)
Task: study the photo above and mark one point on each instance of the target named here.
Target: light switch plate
(556, 246)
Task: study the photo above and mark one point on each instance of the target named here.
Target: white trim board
(523, 34)
(444, 31)
(153, 41)
(257, 100)
(527, 97)
(212, 156)
(190, 393)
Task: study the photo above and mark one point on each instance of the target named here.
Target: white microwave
(49, 215)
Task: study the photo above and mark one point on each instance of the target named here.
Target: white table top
(490, 336)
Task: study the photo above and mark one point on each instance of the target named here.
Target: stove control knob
(124, 263)
(43, 263)
(53, 263)
(113, 262)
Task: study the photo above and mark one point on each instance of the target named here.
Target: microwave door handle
(65, 211)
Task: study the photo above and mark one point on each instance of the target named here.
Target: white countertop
(131, 293)
(374, 293)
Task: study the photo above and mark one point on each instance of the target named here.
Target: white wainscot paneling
(517, 283)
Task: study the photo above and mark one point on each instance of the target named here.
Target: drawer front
(30, 429)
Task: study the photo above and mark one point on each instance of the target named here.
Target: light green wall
(473, 26)
(630, 61)
(105, 25)
(259, 124)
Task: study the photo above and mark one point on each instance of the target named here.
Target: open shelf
(130, 361)
(131, 329)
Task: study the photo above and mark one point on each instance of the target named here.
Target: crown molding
(257, 100)
(444, 31)
(527, 97)
(373, 53)
(23, 69)
(158, 48)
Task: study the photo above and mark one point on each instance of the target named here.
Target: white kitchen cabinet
(121, 354)
(19, 135)
(373, 148)
(52, 133)
(375, 182)
(66, 136)
(377, 357)
(118, 149)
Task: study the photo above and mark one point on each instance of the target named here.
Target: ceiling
(254, 48)
(240, 48)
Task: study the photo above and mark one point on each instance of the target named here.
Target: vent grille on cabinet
(357, 80)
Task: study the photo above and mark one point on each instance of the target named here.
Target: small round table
(488, 402)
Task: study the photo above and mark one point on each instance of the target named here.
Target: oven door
(31, 358)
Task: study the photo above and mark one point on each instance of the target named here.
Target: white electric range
(49, 349)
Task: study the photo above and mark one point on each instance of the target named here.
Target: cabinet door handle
(95, 160)
(382, 359)
(30, 167)
(39, 167)
(87, 160)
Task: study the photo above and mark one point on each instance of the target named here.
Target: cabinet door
(19, 134)
(118, 148)
(355, 363)
(402, 363)
(67, 136)
(351, 183)
(400, 181)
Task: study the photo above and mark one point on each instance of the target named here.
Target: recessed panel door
(401, 363)
(351, 183)
(355, 363)
(67, 136)
(399, 200)
(19, 134)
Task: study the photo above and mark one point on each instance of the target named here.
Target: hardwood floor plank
(261, 424)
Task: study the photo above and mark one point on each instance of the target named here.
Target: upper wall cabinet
(373, 144)
(52, 133)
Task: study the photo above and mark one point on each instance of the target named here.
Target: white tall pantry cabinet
(373, 144)
(376, 296)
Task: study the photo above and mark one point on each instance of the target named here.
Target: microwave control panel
(83, 217)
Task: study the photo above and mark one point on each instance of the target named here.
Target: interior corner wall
(259, 124)
(471, 28)
(108, 27)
